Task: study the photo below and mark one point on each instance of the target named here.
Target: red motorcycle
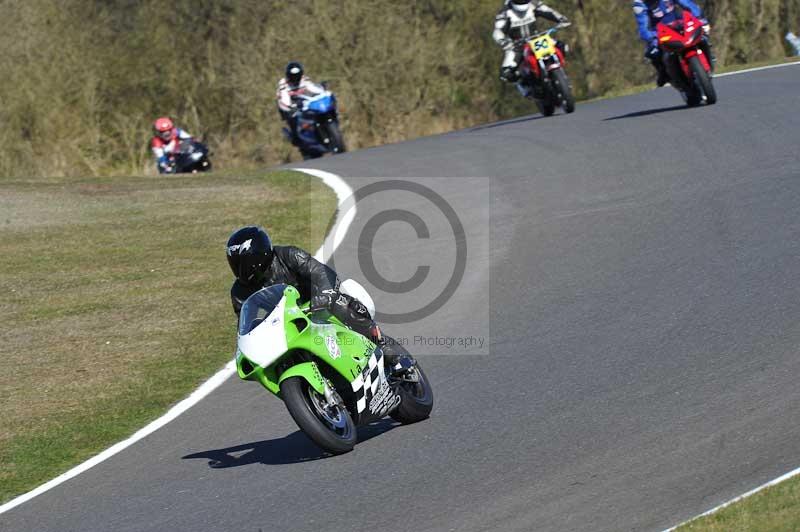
(542, 73)
(687, 59)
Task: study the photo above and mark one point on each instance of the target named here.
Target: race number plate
(543, 46)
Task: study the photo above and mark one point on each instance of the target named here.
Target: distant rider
(289, 88)
(515, 22)
(649, 13)
(166, 143)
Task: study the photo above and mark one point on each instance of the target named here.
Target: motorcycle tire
(308, 155)
(416, 399)
(692, 96)
(336, 138)
(703, 80)
(567, 98)
(546, 107)
(298, 396)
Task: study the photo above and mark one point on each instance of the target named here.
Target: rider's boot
(524, 90)
(661, 73)
(395, 363)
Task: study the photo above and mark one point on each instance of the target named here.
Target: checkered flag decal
(367, 383)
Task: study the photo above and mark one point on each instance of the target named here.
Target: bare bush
(82, 80)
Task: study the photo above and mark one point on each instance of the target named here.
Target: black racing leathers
(294, 266)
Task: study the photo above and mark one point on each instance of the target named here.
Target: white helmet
(520, 6)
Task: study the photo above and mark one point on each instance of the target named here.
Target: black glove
(323, 300)
(509, 74)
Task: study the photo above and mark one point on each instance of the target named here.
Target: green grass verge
(775, 508)
(116, 301)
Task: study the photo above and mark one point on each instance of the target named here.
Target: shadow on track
(647, 112)
(295, 448)
(506, 123)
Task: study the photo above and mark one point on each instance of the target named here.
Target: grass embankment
(116, 301)
(776, 508)
(400, 70)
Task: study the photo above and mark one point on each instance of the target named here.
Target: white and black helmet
(520, 5)
(294, 73)
(250, 253)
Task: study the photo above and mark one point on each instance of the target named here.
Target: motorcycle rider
(256, 263)
(294, 84)
(166, 143)
(649, 13)
(515, 22)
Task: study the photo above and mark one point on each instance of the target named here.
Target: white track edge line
(344, 194)
(753, 491)
(756, 69)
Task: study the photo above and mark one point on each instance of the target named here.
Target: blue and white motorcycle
(318, 125)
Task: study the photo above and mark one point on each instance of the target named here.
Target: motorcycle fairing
(543, 46)
(684, 35)
(266, 342)
(322, 104)
(541, 53)
(374, 396)
(315, 110)
(339, 353)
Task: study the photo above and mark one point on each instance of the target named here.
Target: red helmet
(164, 128)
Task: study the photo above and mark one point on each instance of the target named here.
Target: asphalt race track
(635, 268)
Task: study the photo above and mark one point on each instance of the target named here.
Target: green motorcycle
(331, 378)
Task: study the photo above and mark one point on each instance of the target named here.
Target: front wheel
(563, 87)
(416, 396)
(328, 425)
(308, 155)
(336, 138)
(703, 80)
(546, 107)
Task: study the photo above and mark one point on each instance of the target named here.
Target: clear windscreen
(258, 306)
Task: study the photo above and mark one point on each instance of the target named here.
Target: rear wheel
(563, 87)
(416, 396)
(328, 425)
(703, 80)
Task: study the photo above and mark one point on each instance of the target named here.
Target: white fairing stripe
(266, 343)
